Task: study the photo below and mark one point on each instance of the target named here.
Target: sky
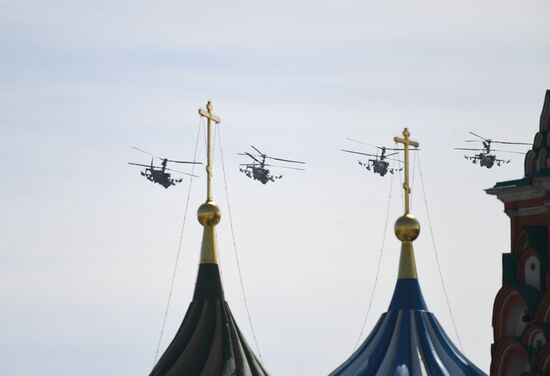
(89, 246)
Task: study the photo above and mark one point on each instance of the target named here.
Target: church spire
(408, 339)
(209, 341)
(407, 226)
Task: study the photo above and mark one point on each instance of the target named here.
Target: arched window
(510, 313)
(529, 269)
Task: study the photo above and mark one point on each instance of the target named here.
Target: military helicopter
(158, 174)
(257, 169)
(486, 157)
(379, 165)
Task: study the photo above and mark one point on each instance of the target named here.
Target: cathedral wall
(521, 311)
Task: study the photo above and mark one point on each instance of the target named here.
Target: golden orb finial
(407, 228)
(209, 214)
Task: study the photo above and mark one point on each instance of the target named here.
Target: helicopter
(158, 174)
(379, 165)
(257, 169)
(485, 155)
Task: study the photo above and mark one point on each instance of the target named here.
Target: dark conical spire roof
(209, 342)
(407, 339)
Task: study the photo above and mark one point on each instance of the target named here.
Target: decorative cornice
(527, 212)
(537, 189)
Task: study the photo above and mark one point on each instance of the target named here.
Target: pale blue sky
(88, 245)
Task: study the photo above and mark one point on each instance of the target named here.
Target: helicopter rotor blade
(358, 152)
(181, 172)
(253, 157)
(389, 155)
(255, 148)
(285, 160)
(510, 143)
(167, 160)
(508, 151)
(186, 162)
(483, 138)
(138, 164)
(257, 156)
(374, 146)
(146, 152)
(360, 142)
(291, 168)
(410, 149)
(469, 149)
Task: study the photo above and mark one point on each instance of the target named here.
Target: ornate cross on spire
(216, 119)
(406, 142)
(209, 213)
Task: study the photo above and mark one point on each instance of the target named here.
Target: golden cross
(210, 118)
(406, 142)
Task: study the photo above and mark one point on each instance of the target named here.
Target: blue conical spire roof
(407, 340)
